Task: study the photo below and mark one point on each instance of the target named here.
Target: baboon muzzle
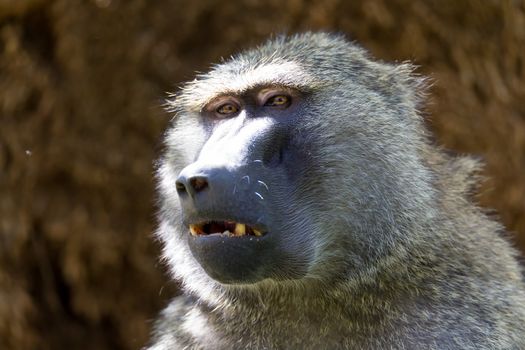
(226, 199)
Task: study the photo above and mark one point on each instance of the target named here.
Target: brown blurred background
(81, 84)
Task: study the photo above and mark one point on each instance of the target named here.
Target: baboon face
(238, 195)
(274, 165)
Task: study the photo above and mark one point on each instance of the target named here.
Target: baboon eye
(227, 108)
(278, 101)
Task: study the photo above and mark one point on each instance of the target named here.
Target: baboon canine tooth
(240, 229)
(193, 230)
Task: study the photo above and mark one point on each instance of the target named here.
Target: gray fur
(399, 259)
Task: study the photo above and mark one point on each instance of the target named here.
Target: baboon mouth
(226, 228)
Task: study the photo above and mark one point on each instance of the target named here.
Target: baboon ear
(464, 174)
(412, 85)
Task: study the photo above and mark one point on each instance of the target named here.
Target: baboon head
(295, 161)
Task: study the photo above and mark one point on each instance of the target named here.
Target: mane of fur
(442, 249)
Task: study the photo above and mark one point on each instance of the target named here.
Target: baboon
(304, 206)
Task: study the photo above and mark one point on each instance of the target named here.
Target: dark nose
(215, 191)
(191, 184)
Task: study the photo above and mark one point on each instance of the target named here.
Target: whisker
(265, 185)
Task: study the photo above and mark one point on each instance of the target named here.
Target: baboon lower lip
(226, 228)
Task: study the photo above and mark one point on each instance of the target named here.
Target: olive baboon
(303, 206)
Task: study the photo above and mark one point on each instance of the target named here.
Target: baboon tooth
(257, 232)
(240, 229)
(194, 229)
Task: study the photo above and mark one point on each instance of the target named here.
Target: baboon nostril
(180, 186)
(191, 185)
(198, 183)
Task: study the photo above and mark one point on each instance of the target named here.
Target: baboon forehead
(303, 62)
(236, 78)
(223, 80)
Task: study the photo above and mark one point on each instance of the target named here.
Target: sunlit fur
(399, 257)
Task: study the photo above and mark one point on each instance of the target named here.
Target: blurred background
(81, 89)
